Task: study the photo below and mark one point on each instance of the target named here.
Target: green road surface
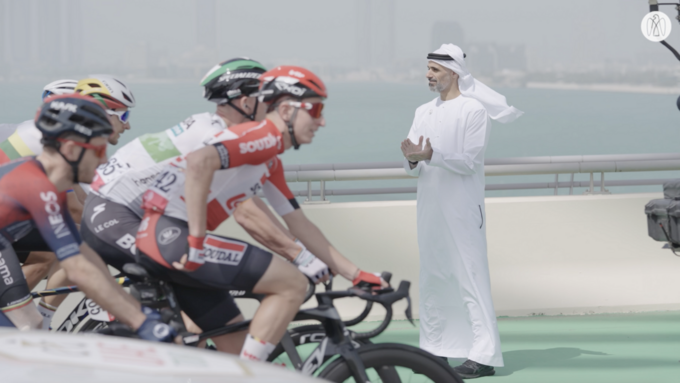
(617, 348)
(621, 348)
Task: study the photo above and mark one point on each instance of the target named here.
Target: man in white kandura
(445, 150)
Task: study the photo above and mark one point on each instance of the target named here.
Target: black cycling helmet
(232, 79)
(71, 114)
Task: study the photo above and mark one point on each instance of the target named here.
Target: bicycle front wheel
(412, 364)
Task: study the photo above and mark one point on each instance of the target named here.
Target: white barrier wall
(548, 255)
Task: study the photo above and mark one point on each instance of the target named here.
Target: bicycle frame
(338, 340)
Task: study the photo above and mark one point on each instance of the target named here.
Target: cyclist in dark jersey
(33, 195)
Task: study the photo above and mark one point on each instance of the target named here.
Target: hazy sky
(569, 33)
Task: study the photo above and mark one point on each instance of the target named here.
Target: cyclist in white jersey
(113, 208)
(195, 193)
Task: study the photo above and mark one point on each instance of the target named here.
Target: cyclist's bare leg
(36, 267)
(56, 278)
(26, 318)
(230, 343)
(284, 286)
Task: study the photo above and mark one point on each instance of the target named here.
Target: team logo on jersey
(223, 251)
(97, 210)
(169, 235)
(234, 201)
(260, 144)
(54, 214)
(5, 274)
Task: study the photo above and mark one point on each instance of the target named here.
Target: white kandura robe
(457, 318)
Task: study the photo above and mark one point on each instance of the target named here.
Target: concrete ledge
(548, 255)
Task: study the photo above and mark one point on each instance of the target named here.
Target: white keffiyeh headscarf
(494, 102)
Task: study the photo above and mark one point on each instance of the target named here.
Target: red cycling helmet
(292, 81)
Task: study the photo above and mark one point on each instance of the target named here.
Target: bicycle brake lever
(408, 313)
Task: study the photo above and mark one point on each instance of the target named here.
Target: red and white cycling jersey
(130, 171)
(249, 157)
(229, 188)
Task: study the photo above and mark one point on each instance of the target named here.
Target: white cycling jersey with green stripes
(134, 167)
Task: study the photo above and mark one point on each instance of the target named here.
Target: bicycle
(336, 353)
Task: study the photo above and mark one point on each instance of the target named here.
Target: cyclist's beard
(440, 85)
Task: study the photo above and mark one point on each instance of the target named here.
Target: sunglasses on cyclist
(314, 110)
(99, 150)
(123, 116)
(45, 94)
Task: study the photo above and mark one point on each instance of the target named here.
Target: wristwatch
(413, 163)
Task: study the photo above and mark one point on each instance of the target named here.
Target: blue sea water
(367, 122)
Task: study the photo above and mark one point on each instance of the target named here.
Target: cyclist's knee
(76, 269)
(296, 287)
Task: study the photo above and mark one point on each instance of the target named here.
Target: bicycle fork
(336, 342)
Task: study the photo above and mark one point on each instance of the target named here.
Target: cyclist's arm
(75, 207)
(80, 192)
(201, 165)
(258, 221)
(310, 235)
(97, 284)
(225, 153)
(82, 266)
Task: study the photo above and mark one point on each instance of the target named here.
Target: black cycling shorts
(33, 241)
(14, 292)
(203, 294)
(109, 228)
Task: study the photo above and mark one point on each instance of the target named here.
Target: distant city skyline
(360, 40)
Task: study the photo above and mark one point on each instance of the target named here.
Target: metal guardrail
(493, 167)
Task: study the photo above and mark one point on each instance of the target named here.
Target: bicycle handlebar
(385, 297)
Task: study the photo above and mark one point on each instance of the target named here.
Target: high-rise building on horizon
(363, 34)
(376, 43)
(447, 32)
(41, 34)
(206, 23)
(72, 33)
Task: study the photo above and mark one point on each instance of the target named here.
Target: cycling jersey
(29, 200)
(24, 142)
(129, 172)
(248, 155)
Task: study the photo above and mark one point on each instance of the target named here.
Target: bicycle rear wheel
(412, 364)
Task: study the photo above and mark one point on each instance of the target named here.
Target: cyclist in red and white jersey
(33, 196)
(197, 192)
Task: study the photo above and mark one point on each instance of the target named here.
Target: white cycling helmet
(58, 88)
(107, 86)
